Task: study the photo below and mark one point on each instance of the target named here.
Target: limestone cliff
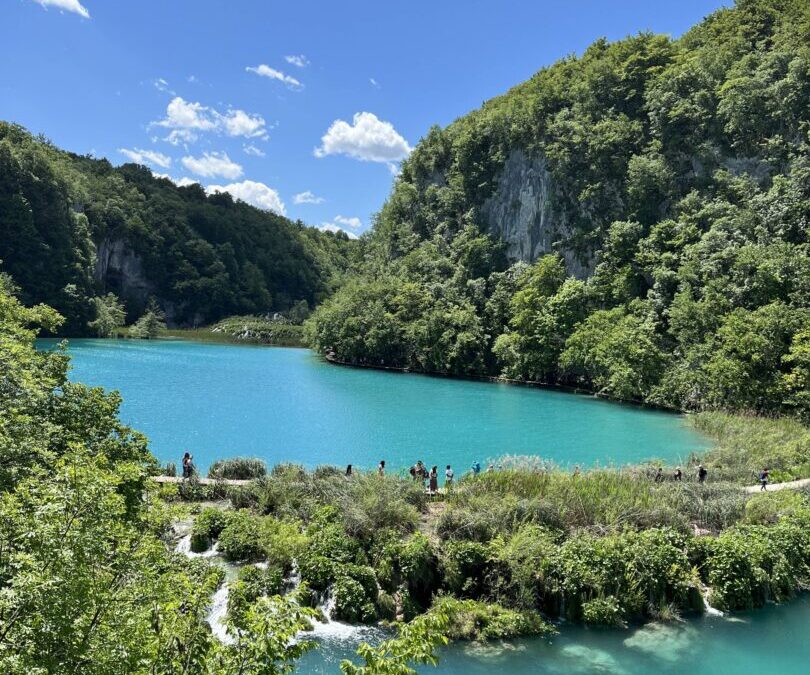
(521, 212)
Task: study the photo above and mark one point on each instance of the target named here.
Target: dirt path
(791, 485)
(201, 481)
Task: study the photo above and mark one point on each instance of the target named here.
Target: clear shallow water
(770, 641)
(287, 405)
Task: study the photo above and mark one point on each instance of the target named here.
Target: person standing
(349, 471)
(433, 480)
(678, 475)
(702, 473)
(381, 468)
(188, 466)
(763, 478)
(476, 468)
(659, 475)
(448, 477)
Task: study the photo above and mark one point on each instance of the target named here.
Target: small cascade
(330, 629)
(217, 613)
(710, 611)
(184, 547)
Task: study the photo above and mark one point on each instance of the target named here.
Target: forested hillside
(74, 228)
(634, 221)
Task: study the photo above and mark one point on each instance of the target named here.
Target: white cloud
(240, 123)
(146, 157)
(307, 197)
(213, 164)
(163, 85)
(374, 82)
(298, 60)
(354, 222)
(367, 138)
(185, 118)
(182, 114)
(254, 193)
(181, 137)
(264, 70)
(68, 5)
(331, 227)
(253, 150)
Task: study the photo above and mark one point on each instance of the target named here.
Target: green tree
(110, 314)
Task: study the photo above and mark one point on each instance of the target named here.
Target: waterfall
(710, 611)
(217, 613)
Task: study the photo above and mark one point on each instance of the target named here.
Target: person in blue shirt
(476, 468)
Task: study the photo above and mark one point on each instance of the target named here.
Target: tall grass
(746, 444)
(238, 468)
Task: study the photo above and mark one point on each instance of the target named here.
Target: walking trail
(791, 485)
(751, 489)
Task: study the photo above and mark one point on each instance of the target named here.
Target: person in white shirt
(448, 477)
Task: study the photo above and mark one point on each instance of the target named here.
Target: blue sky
(302, 107)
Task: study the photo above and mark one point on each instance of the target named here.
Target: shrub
(386, 606)
(252, 583)
(352, 604)
(283, 542)
(240, 538)
(473, 620)
(465, 565)
(603, 612)
(238, 468)
(317, 570)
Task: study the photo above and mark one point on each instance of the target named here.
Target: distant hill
(74, 227)
(634, 221)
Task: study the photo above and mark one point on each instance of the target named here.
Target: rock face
(521, 213)
(121, 271)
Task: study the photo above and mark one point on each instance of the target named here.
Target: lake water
(288, 405)
(770, 641)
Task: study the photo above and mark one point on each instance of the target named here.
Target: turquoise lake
(288, 405)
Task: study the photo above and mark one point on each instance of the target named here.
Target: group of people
(430, 479)
(677, 475)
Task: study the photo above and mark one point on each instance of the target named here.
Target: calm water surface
(288, 405)
(770, 641)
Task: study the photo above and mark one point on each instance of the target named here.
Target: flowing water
(220, 401)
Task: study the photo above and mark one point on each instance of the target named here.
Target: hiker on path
(381, 468)
(659, 475)
(476, 468)
(433, 485)
(349, 471)
(702, 473)
(448, 477)
(763, 478)
(678, 475)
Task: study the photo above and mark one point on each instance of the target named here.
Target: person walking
(702, 473)
(349, 471)
(659, 475)
(678, 475)
(433, 480)
(448, 477)
(763, 479)
(476, 468)
(381, 468)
